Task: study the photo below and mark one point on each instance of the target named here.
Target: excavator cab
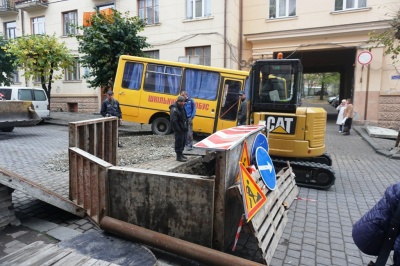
(277, 85)
(296, 134)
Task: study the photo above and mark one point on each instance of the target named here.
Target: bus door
(229, 104)
(129, 91)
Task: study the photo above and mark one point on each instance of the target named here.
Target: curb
(378, 149)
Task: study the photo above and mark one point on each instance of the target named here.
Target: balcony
(29, 5)
(7, 7)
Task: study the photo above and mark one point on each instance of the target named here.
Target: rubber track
(310, 167)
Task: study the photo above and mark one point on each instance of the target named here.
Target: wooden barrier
(98, 137)
(88, 183)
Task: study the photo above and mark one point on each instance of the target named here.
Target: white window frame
(73, 73)
(191, 9)
(287, 9)
(38, 25)
(70, 17)
(10, 30)
(356, 4)
(203, 59)
(144, 10)
(102, 7)
(153, 54)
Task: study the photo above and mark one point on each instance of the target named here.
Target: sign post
(365, 58)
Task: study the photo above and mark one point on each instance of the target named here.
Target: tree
(6, 67)
(102, 43)
(40, 56)
(389, 37)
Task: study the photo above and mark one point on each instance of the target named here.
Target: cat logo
(281, 124)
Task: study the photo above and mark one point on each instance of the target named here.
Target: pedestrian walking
(179, 123)
(340, 116)
(110, 107)
(348, 115)
(242, 114)
(190, 108)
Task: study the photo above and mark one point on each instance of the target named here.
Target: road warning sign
(253, 197)
(244, 159)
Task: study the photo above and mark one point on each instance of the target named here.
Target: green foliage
(324, 80)
(109, 37)
(6, 65)
(40, 56)
(389, 37)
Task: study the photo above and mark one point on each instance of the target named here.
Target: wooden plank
(37, 191)
(72, 259)
(270, 250)
(49, 255)
(15, 255)
(27, 254)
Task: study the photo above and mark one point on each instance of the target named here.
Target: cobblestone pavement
(318, 232)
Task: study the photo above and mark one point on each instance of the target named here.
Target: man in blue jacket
(190, 108)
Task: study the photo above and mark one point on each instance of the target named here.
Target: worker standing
(110, 107)
(178, 119)
(190, 108)
(242, 114)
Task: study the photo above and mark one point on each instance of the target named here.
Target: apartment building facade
(200, 31)
(328, 37)
(331, 36)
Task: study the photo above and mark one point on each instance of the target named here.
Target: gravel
(136, 149)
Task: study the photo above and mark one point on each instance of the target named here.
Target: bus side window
(132, 78)
(163, 79)
(201, 84)
(230, 101)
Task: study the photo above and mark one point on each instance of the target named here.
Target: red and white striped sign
(227, 139)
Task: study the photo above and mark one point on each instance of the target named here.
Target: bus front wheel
(161, 126)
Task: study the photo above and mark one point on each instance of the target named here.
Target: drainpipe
(171, 244)
(225, 5)
(240, 32)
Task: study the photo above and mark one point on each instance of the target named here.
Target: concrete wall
(178, 205)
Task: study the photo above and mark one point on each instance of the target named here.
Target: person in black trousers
(179, 124)
(110, 107)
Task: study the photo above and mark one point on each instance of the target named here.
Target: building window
(10, 29)
(282, 8)
(72, 73)
(349, 4)
(15, 77)
(198, 8)
(203, 52)
(153, 54)
(149, 11)
(70, 21)
(106, 6)
(38, 25)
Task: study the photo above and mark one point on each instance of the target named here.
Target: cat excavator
(295, 133)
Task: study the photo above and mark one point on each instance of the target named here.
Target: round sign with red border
(364, 58)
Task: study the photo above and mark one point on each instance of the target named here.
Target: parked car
(319, 93)
(330, 99)
(335, 103)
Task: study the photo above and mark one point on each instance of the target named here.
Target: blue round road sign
(259, 141)
(266, 168)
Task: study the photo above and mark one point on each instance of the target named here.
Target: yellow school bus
(145, 88)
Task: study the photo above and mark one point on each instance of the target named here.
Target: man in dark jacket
(110, 107)
(178, 119)
(242, 114)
